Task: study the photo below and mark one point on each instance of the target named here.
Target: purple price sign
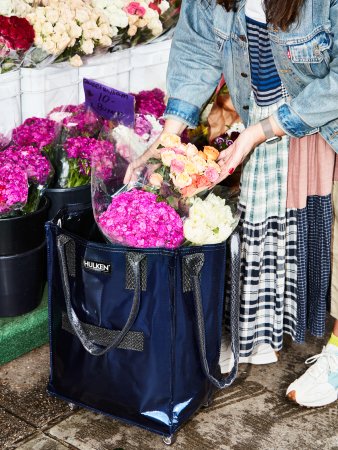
(109, 103)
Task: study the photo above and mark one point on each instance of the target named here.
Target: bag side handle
(77, 325)
(194, 264)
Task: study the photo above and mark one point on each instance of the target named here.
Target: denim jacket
(210, 41)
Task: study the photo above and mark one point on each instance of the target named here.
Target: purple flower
(142, 126)
(13, 187)
(35, 131)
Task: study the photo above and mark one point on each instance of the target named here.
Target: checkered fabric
(285, 259)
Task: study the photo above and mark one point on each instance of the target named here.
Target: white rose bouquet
(210, 221)
(65, 30)
(19, 8)
(137, 22)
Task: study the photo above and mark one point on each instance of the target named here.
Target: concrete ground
(252, 414)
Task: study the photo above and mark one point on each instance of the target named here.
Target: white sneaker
(318, 386)
(262, 354)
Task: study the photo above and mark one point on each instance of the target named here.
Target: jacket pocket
(312, 57)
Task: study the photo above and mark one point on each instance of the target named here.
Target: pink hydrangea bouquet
(137, 219)
(21, 189)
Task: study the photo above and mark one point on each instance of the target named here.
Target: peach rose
(211, 152)
(167, 156)
(182, 180)
(191, 150)
(156, 179)
(170, 140)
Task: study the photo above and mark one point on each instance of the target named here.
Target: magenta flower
(134, 8)
(137, 219)
(150, 102)
(31, 160)
(35, 131)
(13, 187)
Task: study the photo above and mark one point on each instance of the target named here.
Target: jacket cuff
(184, 111)
(291, 123)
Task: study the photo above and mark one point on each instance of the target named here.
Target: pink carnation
(13, 187)
(134, 8)
(137, 219)
(29, 159)
(36, 131)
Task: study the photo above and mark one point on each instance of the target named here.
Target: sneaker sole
(333, 397)
(257, 360)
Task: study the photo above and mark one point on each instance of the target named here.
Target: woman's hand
(171, 126)
(234, 155)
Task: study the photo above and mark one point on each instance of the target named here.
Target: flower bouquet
(25, 173)
(169, 207)
(137, 22)
(16, 37)
(66, 30)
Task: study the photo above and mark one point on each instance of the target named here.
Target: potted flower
(24, 174)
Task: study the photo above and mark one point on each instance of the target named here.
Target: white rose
(87, 46)
(164, 6)
(76, 61)
(47, 28)
(52, 15)
(82, 15)
(105, 41)
(132, 30)
(50, 47)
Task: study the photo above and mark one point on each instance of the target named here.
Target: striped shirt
(266, 83)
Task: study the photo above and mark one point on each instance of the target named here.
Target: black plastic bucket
(22, 280)
(59, 198)
(23, 233)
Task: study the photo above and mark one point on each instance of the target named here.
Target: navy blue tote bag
(135, 333)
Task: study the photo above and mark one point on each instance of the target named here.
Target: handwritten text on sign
(109, 103)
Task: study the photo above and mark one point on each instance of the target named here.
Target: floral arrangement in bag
(25, 173)
(149, 213)
(16, 37)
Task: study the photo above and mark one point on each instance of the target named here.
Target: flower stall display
(16, 37)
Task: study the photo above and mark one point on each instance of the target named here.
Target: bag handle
(194, 264)
(77, 326)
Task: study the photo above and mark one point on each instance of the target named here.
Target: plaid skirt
(286, 222)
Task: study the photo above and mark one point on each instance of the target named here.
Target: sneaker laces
(325, 359)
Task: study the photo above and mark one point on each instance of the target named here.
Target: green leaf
(154, 161)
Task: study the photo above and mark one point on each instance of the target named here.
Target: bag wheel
(207, 403)
(72, 406)
(169, 440)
